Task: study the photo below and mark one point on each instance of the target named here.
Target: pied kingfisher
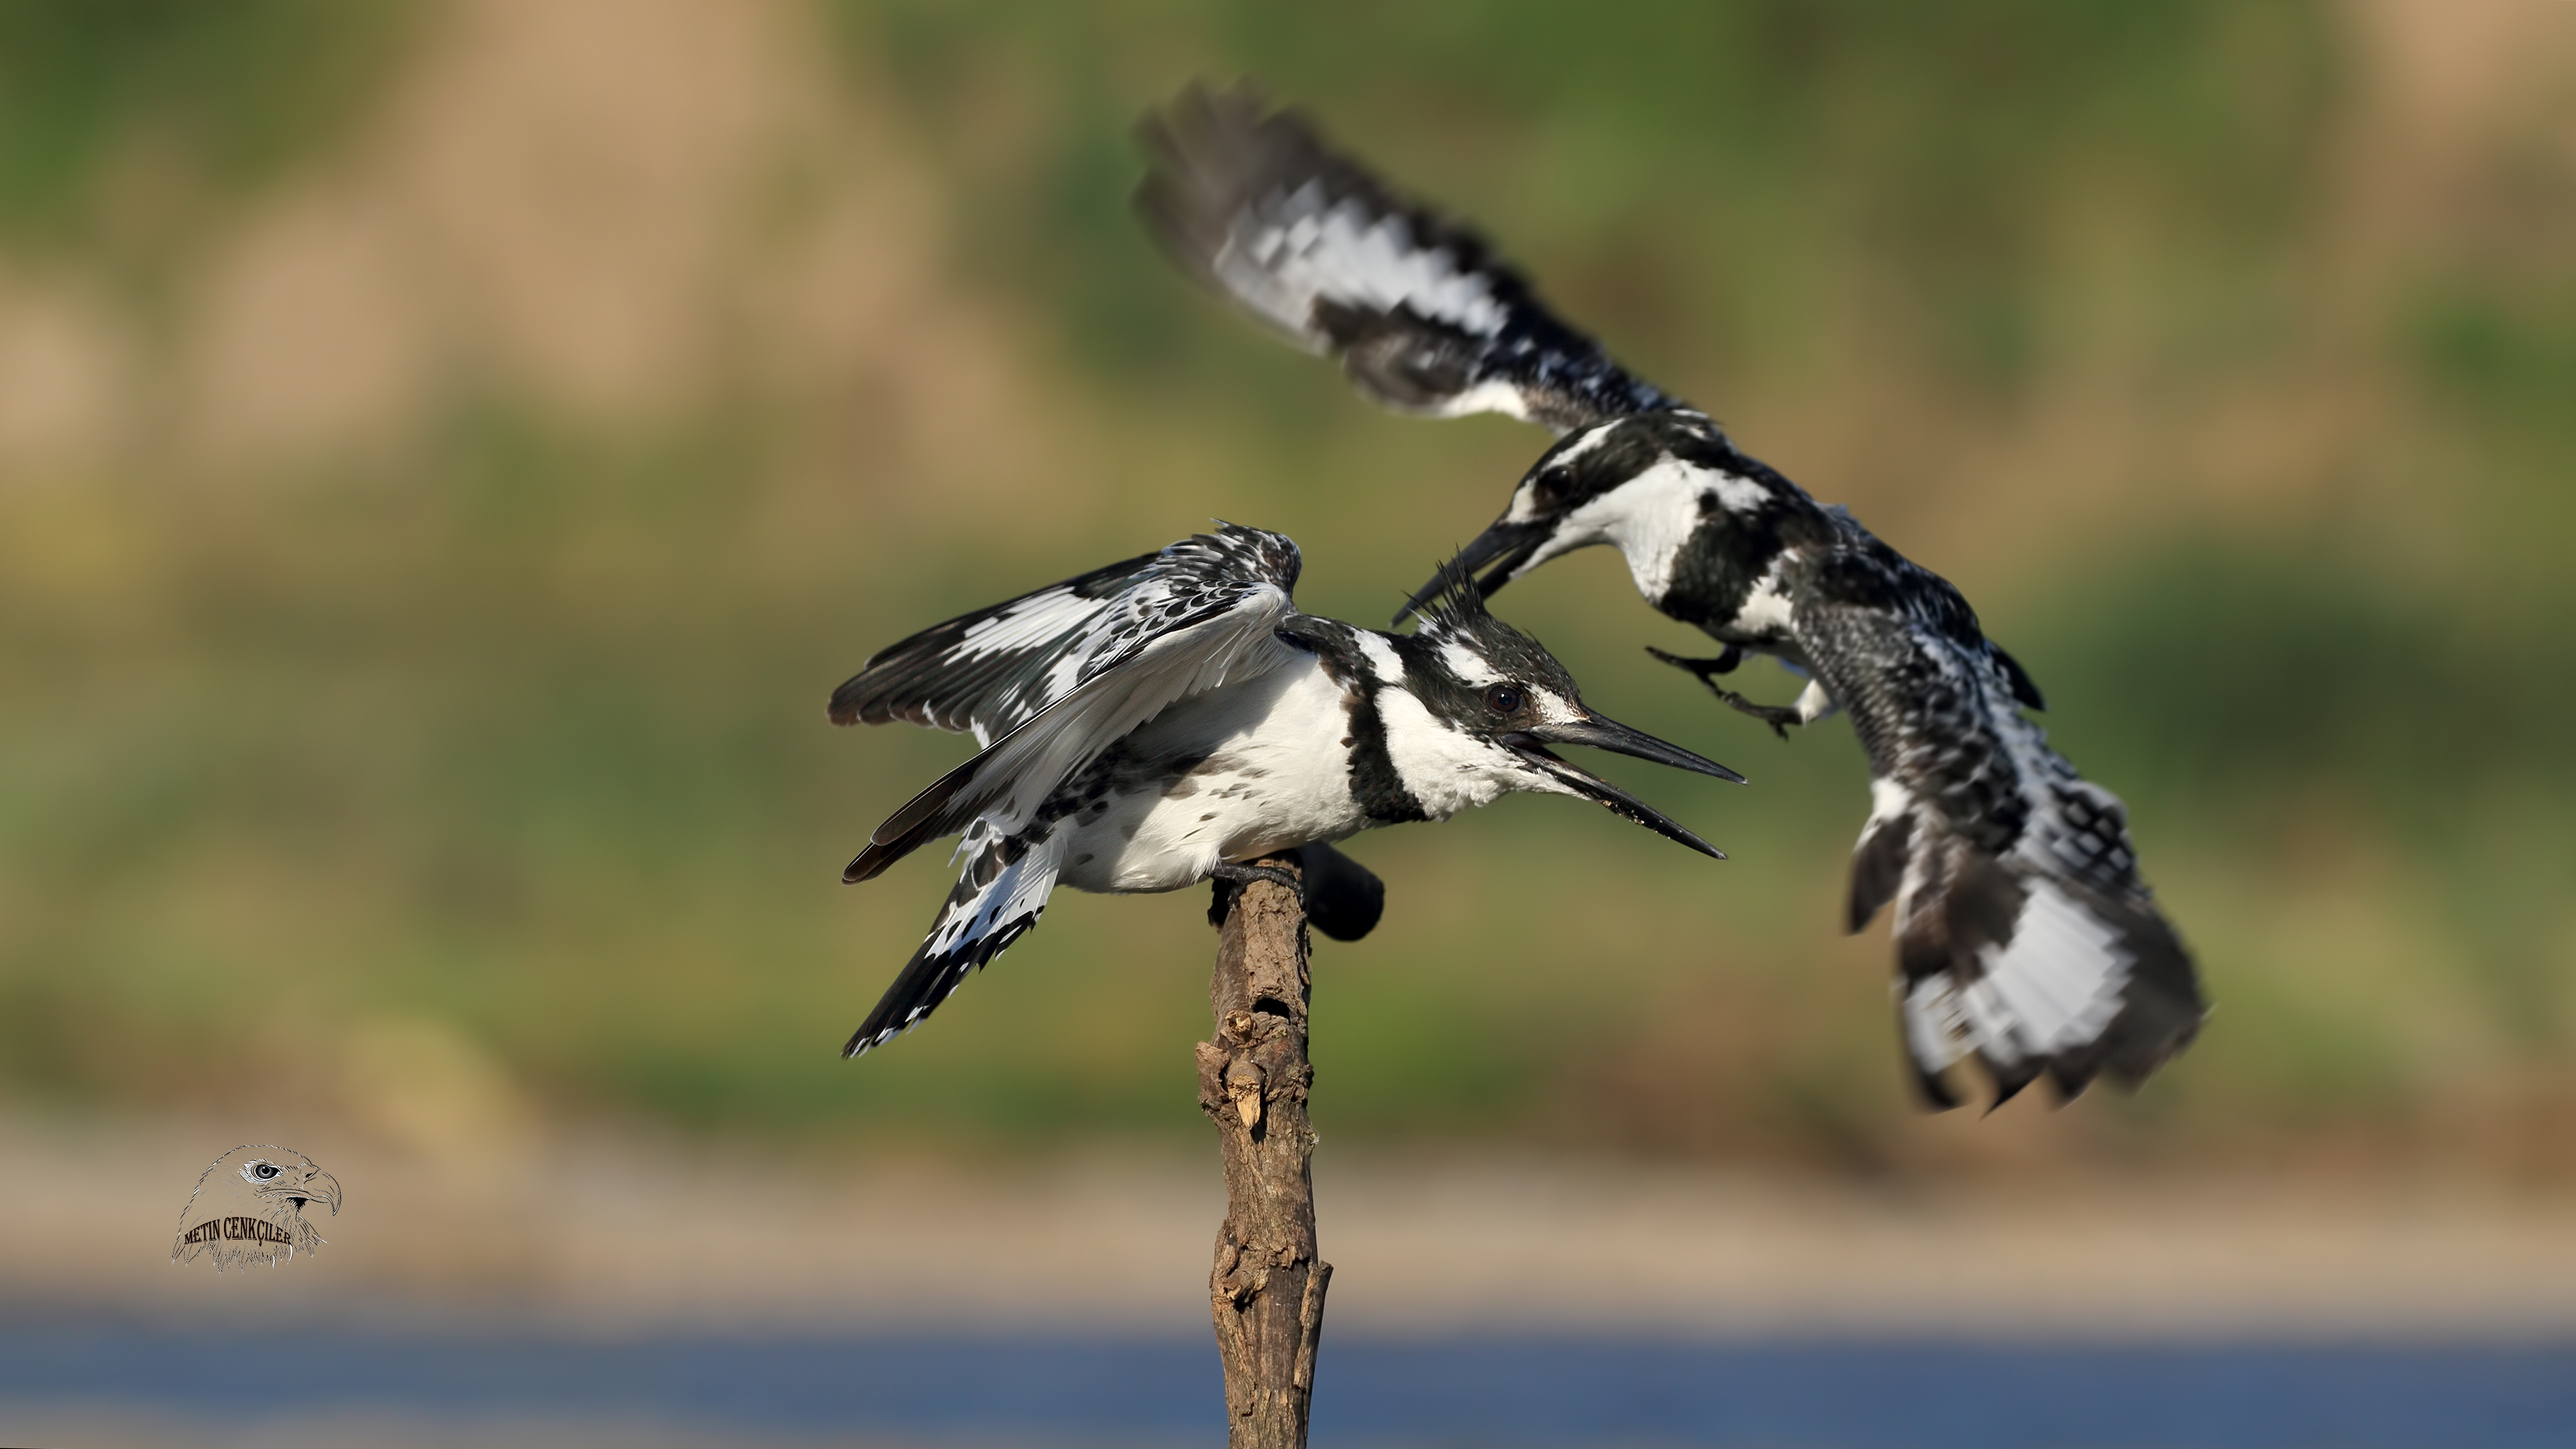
(1160, 721)
(2024, 935)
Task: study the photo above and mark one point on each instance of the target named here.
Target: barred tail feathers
(998, 899)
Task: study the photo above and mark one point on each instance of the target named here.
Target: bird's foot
(1701, 669)
(1244, 875)
(1341, 897)
(1230, 877)
(1778, 716)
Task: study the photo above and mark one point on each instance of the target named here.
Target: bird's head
(1478, 704)
(282, 1180)
(1647, 483)
(258, 1184)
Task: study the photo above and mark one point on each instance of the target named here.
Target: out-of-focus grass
(117, 115)
(1709, 181)
(518, 730)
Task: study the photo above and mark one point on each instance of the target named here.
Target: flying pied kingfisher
(2024, 935)
(1163, 720)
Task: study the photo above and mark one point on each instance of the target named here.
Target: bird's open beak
(1609, 734)
(1506, 545)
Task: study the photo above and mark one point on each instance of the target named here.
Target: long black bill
(1609, 734)
(1506, 545)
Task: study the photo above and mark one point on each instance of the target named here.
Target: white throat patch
(1651, 516)
(1446, 770)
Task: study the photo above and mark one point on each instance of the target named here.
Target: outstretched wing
(992, 670)
(997, 668)
(1418, 309)
(1201, 614)
(2025, 937)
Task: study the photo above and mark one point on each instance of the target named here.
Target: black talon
(1778, 717)
(1341, 897)
(1701, 669)
(1230, 877)
(1244, 875)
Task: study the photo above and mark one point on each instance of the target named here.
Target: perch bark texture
(1268, 1287)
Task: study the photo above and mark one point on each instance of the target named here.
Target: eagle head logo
(249, 1208)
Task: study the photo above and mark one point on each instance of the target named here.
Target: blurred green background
(449, 451)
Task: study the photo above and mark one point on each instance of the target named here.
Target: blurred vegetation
(121, 118)
(515, 727)
(1716, 169)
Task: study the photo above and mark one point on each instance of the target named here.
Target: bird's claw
(1339, 896)
(1778, 717)
(1244, 875)
(1229, 878)
(1701, 669)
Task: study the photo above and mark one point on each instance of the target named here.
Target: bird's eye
(1505, 699)
(264, 1171)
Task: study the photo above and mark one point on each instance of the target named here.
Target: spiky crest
(1458, 607)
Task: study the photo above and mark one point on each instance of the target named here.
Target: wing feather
(997, 668)
(998, 898)
(2025, 937)
(988, 671)
(1421, 313)
(1204, 615)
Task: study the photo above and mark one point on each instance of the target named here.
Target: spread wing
(1057, 676)
(993, 670)
(2025, 937)
(1418, 309)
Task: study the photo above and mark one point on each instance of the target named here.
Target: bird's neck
(1650, 519)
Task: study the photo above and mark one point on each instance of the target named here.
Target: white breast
(1276, 775)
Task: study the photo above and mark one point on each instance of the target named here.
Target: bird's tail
(998, 898)
(2038, 960)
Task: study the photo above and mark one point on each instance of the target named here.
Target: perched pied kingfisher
(2024, 935)
(1160, 721)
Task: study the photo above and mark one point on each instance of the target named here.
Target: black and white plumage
(1151, 724)
(2025, 937)
(1420, 313)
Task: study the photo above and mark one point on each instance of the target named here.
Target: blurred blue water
(1887, 1394)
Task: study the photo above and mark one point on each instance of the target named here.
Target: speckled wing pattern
(2025, 937)
(993, 670)
(999, 896)
(1050, 680)
(1422, 315)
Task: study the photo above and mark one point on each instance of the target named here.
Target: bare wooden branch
(1267, 1291)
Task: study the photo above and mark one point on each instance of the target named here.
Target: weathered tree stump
(1267, 1291)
